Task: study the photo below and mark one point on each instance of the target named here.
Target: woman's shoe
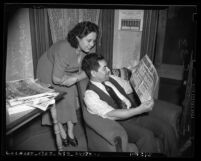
(72, 142)
(65, 142)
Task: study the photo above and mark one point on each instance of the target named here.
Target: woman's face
(87, 42)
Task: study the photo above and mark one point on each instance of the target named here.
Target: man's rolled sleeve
(95, 105)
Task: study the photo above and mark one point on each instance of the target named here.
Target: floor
(42, 138)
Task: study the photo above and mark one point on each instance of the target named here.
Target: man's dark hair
(81, 30)
(91, 62)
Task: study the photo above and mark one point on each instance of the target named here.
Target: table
(18, 120)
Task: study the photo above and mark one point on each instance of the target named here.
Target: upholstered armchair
(109, 136)
(103, 135)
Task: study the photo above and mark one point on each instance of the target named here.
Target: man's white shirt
(96, 106)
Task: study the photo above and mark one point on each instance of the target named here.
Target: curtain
(105, 42)
(40, 34)
(148, 41)
(63, 20)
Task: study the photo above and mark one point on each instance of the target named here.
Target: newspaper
(28, 92)
(19, 109)
(144, 79)
(22, 91)
(41, 103)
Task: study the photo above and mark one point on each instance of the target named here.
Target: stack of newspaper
(26, 94)
(144, 79)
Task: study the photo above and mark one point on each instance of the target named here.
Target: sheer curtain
(63, 20)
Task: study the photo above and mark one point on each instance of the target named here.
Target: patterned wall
(19, 53)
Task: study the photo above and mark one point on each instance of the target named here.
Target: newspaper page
(41, 103)
(144, 79)
(28, 92)
(19, 109)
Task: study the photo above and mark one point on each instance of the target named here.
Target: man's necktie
(119, 102)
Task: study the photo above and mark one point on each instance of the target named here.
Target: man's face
(87, 42)
(103, 72)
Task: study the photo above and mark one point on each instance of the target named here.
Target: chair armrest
(168, 112)
(110, 130)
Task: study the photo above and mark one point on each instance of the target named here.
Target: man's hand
(133, 66)
(147, 106)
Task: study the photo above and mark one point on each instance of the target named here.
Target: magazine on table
(29, 92)
(144, 79)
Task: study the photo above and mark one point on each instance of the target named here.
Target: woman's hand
(69, 81)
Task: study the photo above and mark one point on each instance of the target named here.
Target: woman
(60, 66)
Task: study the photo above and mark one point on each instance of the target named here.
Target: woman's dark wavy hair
(81, 30)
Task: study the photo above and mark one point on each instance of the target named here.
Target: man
(100, 99)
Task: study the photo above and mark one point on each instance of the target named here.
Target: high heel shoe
(65, 142)
(72, 142)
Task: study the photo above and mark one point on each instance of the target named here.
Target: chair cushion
(122, 72)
